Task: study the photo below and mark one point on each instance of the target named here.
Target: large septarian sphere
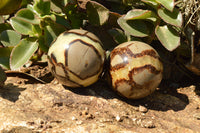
(135, 69)
(76, 58)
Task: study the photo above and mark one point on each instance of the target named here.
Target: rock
(19, 130)
(143, 109)
(54, 108)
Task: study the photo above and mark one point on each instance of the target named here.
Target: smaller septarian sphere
(76, 58)
(135, 69)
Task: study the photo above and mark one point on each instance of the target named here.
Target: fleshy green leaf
(23, 52)
(173, 18)
(51, 31)
(42, 7)
(9, 6)
(168, 37)
(43, 44)
(61, 20)
(140, 14)
(58, 5)
(118, 35)
(113, 17)
(5, 26)
(75, 17)
(169, 4)
(134, 27)
(4, 57)
(27, 16)
(10, 38)
(37, 30)
(25, 2)
(97, 13)
(21, 26)
(152, 3)
(1, 19)
(30, 7)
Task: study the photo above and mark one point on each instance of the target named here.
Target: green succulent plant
(31, 30)
(26, 34)
(155, 19)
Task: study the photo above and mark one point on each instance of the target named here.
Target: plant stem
(152, 36)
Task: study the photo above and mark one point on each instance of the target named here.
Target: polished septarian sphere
(135, 69)
(76, 58)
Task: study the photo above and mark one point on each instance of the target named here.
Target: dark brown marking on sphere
(53, 58)
(66, 57)
(122, 51)
(65, 69)
(125, 51)
(118, 66)
(53, 66)
(65, 79)
(149, 52)
(122, 80)
(86, 64)
(54, 63)
(74, 41)
(68, 82)
(148, 67)
(136, 87)
(87, 44)
(93, 38)
(131, 82)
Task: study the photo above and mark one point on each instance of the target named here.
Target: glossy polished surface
(135, 69)
(76, 58)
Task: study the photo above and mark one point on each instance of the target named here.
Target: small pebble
(79, 122)
(134, 119)
(148, 124)
(97, 113)
(19, 82)
(197, 116)
(84, 112)
(73, 118)
(192, 87)
(157, 89)
(101, 125)
(49, 126)
(143, 114)
(143, 109)
(118, 118)
(90, 116)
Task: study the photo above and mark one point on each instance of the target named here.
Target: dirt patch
(29, 106)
